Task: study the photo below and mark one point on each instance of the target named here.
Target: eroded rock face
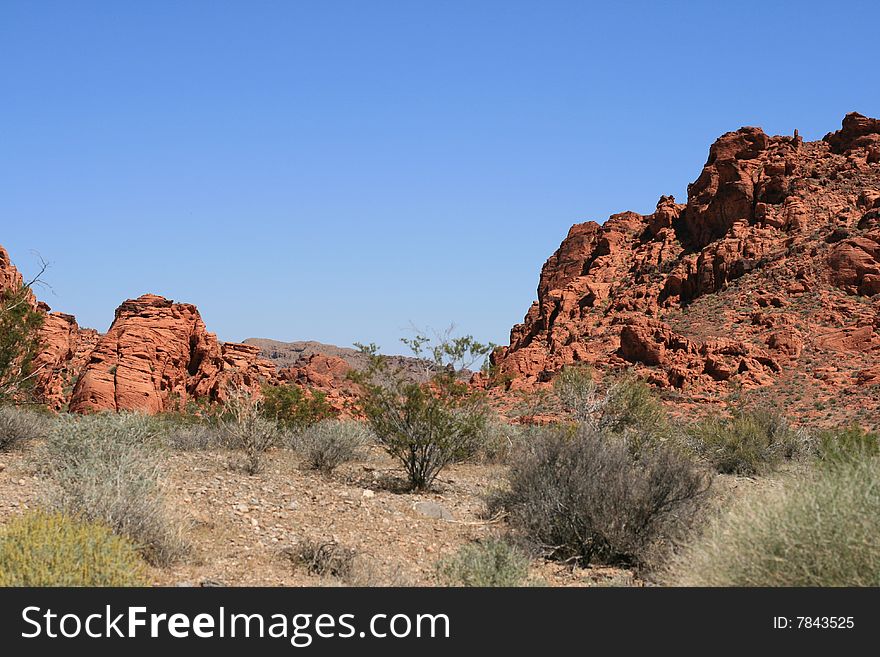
(771, 267)
(158, 355)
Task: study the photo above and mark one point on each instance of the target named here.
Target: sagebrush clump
(193, 437)
(580, 496)
(106, 469)
(747, 443)
(843, 444)
(20, 425)
(50, 549)
(245, 427)
(820, 530)
(624, 405)
(330, 443)
(497, 440)
(489, 563)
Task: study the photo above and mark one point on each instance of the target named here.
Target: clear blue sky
(335, 170)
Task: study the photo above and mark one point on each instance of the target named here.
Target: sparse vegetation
(330, 443)
(246, 428)
(490, 563)
(19, 342)
(747, 443)
(192, 436)
(425, 425)
(324, 558)
(821, 530)
(623, 406)
(105, 472)
(19, 425)
(49, 549)
(294, 409)
(497, 440)
(850, 443)
(578, 495)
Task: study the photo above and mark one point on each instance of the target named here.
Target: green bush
(330, 443)
(19, 425)
(106, 469)
(581, 496)
(49, 549)
(294, 409)
(424, 425)
(846, 444)
(748, 443)
(490, 563)
(819, 530)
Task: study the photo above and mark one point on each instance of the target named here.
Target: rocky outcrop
(325, 374)
(63, 344)
(771, 267)
(857, 132)
(157, 356)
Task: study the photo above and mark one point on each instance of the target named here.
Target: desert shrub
(489, 563)
(497, 440)
(245, 427)
(424, 425)
(819, 530)
(49, 549)
(625, 406)
(19, 425)
(294, 409)
(330, 443)
(580, 496)
(846, 444)
(576, 388)
(323, 558)
(748, 443)
(106, 469)
(633, 411)
(192, 436)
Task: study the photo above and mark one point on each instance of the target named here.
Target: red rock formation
(327, 374)
(771, 268)
(157, 355)
(63, 343)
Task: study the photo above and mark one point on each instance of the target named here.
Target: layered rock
(750, 282)
(157, 356)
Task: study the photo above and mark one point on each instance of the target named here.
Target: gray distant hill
(292, 354)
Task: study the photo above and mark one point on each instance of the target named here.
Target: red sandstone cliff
(768, 276)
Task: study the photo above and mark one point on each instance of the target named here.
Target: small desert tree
(431, 421)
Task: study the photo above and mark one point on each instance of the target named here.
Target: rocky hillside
(766, 279)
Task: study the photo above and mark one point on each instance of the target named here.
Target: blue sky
(337, 170)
